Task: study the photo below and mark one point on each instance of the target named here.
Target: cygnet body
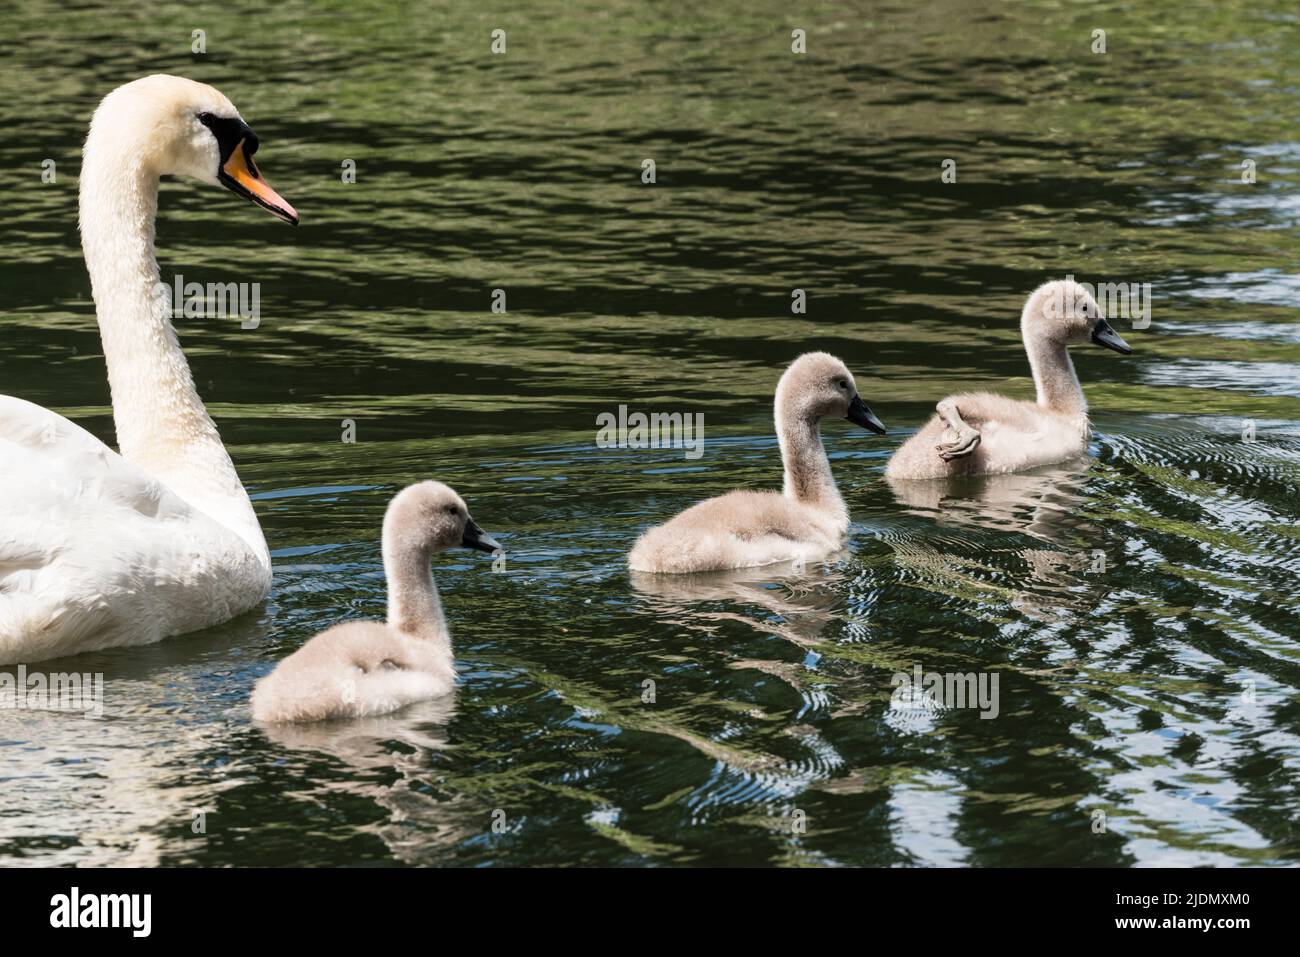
(362, 668)
(982, 433)
(806, 520)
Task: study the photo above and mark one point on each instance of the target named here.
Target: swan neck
(808, 477)
(161, 423)
(1054, 376)
(414, 605)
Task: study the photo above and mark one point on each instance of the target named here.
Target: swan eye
(451, 509)
(842, 384)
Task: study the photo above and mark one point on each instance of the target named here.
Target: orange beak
(240, 175)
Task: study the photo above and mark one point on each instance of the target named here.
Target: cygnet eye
(451, 509)
(842, 384)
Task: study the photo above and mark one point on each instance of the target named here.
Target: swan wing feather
(94, 553)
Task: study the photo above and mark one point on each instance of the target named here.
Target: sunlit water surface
(1139, 608)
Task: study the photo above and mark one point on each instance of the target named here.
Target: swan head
(818, 385)
(1065, 312)
(430, 517)
(169, 125)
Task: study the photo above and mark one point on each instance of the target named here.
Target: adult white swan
(98, 549)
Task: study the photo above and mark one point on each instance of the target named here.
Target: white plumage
(94, 553)
(100, 549)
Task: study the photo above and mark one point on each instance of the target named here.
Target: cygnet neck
(1053, 371)
(808, 478)
(414, 606)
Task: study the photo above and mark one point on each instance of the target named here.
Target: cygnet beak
(1104, 335)
(475, 537)
(859, 414)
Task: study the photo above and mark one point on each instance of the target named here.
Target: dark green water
(1120, 690)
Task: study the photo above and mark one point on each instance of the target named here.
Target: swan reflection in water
(794, 600)
(406, 745)
(1044, 504)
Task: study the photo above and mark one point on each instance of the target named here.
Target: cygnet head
(818, 385)
(429, 517)
(1065, 312)
(168, 125)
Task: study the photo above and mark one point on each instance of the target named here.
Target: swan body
(982, 433)
(95, 553)
(100, 549)
(806, 520)
(1013, 436)
(357, 669)
(364, 668)
(740, 529)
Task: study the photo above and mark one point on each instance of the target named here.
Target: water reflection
(366, 743)
(391, 761)
(97, 792)
(1044, 505)
(793, 600)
